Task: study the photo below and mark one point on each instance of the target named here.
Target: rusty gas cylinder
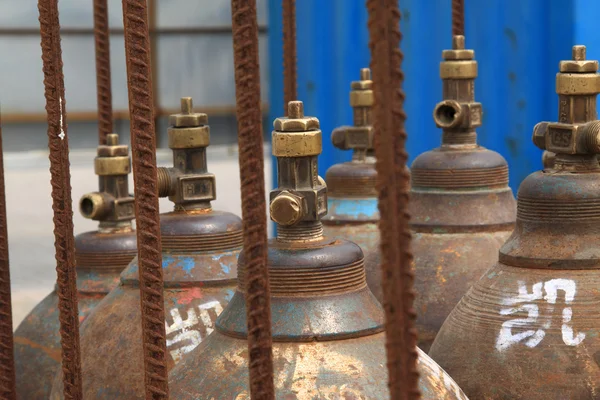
(528, 329)
(327, 326)
(352, 196)
(100, 257)
(200, 251)
(462, 209)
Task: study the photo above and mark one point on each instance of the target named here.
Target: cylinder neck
(301, 232)
(576, 163)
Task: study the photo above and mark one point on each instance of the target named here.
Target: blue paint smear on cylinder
(349, 209)
(224, 266)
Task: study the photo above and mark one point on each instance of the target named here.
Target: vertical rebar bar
(393, 188)
(254, 208)
(290, 80)
(153, 28)
(143, 149)
(58, 144)
(7, 360)
(103, 82)
(458, 17)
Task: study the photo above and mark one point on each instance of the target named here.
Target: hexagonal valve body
(188, 183)
(575, 138)
(458, 114)
(112, 205)
(300, 201)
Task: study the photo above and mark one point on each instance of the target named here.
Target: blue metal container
(518, 44)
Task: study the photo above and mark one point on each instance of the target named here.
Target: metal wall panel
(518, 44)
(198, 65)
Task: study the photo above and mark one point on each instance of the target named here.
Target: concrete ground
(29, 205)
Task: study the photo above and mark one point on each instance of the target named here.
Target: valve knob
(286, 209)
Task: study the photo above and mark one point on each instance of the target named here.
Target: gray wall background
(197, 65)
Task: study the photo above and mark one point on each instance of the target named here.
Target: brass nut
(361, 98)
(286, 208)
(105, 166)
(581, 84)
(187, 118)
(296, 144)
(296, 124)
(361, 85)
(189, 138)
(578, 66)
(579, 62)
(460, 54)
(113, 151)
(188, 121)
(458, 69)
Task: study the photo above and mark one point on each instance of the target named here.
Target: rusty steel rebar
(393, 189)
(103, 81)
(58, 143)
(143, 149)
(458, 17)
(290, 80)
(7, 360)
(254, 214)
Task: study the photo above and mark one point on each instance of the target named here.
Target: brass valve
(360, 136)
(301, 195)
(112, 203)
(578, 131)
(188, 183)
(458, 114)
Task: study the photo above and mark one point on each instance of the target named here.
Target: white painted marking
(506, 338)
(188, 332)
(553, 286)
(534, 336)
(567, 331)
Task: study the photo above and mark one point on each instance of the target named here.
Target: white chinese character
(532, 337)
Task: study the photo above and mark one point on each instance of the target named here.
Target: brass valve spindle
(575, 138)
(188, 183)
(359, 137)
(300, 201)
(112, 205)
(458, 114)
